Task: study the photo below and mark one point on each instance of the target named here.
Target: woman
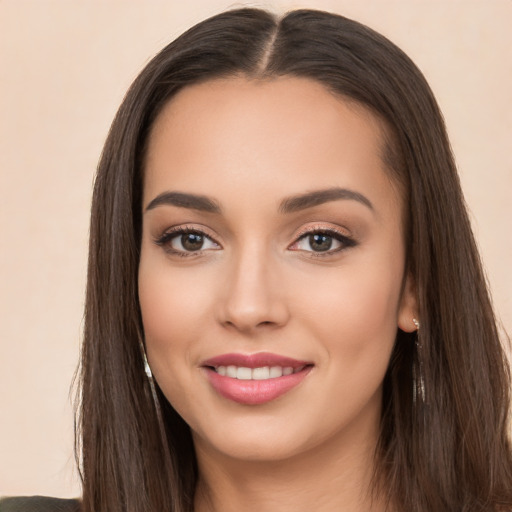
(285, 304)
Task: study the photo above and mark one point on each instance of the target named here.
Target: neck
(335, 476)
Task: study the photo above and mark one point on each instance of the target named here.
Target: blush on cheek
(361, 318)
(161, 305)
(364, 304)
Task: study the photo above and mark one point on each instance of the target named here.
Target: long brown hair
(443, 445)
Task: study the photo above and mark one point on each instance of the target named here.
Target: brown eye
(192, 241)
(323, 242)
(183, 242)
(320, 242)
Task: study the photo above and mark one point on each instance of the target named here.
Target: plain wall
(64, 67)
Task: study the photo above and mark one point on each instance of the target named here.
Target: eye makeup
(191, 241)
(190, 238)
(323, 238)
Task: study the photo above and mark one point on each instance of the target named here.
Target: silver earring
(156, 403)
(147, 369)
(418, 380)
(149, 375)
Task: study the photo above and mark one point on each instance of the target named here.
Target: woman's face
(271, 278)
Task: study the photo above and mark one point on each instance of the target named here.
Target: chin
(253, 448)
(268, 439)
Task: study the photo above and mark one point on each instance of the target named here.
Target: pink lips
(255, 392)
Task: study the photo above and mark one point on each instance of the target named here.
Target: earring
(147, 369)
(418, 380)
(156, 403)
(149, 374)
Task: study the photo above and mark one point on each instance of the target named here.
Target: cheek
(174, 307)
(171, 319)
(170, 297)
(355, 320)
(166, 305)
(356, 324)
(364, 300)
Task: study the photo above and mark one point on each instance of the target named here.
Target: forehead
(271, 104)
(286, 132)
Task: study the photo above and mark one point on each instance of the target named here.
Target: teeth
(276, 371)
(231, 371)
(263, 373)
(243, 373)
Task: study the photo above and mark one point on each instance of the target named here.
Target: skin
(257, 285)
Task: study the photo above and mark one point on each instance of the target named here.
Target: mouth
(254, 379)
(260, 373)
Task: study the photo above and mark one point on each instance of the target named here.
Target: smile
(262, 373)
(254, 379)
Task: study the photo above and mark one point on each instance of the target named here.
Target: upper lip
(258, 360)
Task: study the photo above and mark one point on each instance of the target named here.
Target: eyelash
(166, 238)
(345, 241)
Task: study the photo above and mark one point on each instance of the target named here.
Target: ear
(408, 308)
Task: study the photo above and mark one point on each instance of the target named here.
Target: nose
(253, 295)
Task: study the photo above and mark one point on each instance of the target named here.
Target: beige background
(64, 67)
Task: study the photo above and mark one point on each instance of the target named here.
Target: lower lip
(254, 392)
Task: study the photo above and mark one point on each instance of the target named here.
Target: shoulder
(38, 504)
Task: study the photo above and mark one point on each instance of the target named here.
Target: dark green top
(38, 504)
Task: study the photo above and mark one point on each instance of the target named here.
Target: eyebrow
(183, 200)
(289, 205)
(318, 197)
